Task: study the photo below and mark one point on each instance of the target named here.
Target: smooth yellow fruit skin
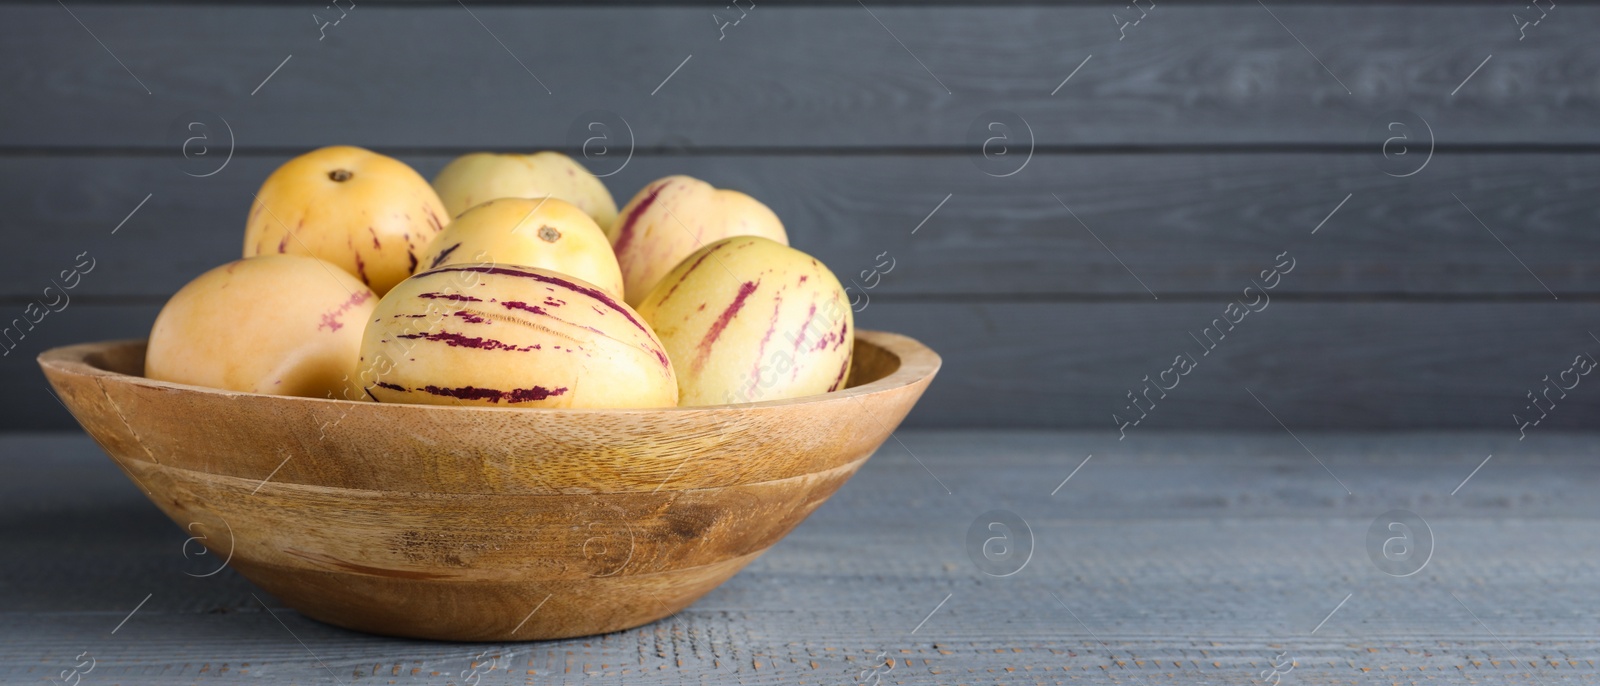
(372, 224)
(747, 319)
(539, 232)
(479, 177)
(276, 324)
(511, 336)
(675, 216)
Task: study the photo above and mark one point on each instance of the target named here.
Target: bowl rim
(917, 363)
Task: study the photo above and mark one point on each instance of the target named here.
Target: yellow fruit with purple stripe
(540, 232)
(511, 336)
(276, 324)
(368, 213)
(747, 319)
(476, 178)
(673, 217)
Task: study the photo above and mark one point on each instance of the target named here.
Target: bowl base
(487, 611)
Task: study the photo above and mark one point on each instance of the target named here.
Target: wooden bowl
(484, 523)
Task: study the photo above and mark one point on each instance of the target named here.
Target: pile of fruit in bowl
(495, 406)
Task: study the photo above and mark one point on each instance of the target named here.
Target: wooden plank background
(1191, 148)
(798, 77)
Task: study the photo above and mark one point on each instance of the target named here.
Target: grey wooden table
(1165, 558)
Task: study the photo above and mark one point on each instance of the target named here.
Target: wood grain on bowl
(485, 523)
